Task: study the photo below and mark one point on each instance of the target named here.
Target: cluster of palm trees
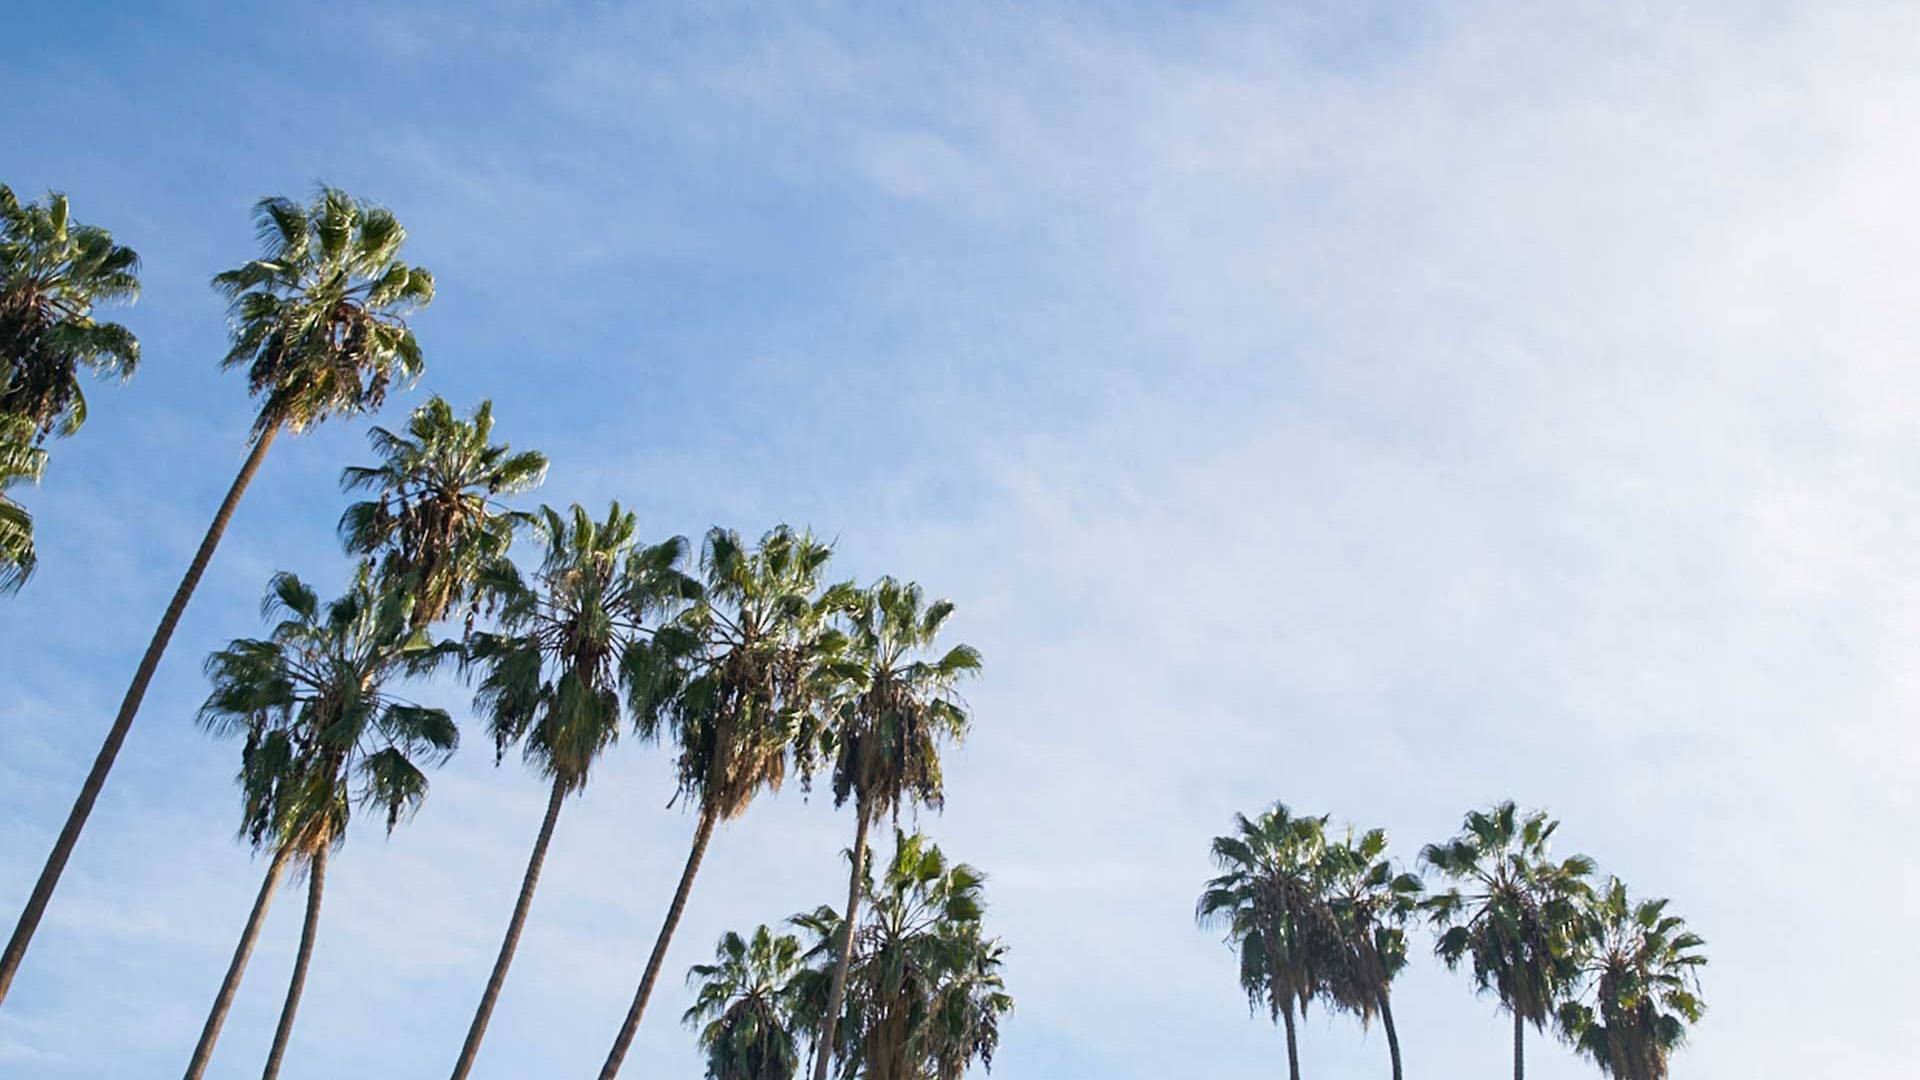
(742, 656)
(1316, 914)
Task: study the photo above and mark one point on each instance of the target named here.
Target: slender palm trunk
(316, 886)
(702, 834)
(1293, 1044)
(471, 1049)
(1519, 1052)
(823, 1059)
(223, 1001)
(123, 721)
(1393, 1036)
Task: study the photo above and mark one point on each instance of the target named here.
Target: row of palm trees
(1316, 915)
(743, 656)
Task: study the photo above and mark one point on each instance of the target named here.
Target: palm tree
(734, 676)
(1512, 911)
(52, 272)
(924, 995)
(1370, 901)
(437, 524)
(895, 708)
(551, 673)
(318, 321)
(20, 460)
(1268, 899)
(1640, 967)
(324, 734)
(745, 1007)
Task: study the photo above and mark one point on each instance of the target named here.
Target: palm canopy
(734, 673)
(1370, 900)
(324, 732)
(551, 671)
(924, 996)
(1512, 912)
(1640, 970)
(53, 271)
(319, 320)
(1267, 897)
(20, 462)
(437, 523)
(744, 1007)
(896, 701)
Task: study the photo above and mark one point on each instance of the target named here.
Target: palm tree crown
(1640, 969)
(20, 461)
(437, 524)
(52, 272)
(744, 1007)
(319, 319)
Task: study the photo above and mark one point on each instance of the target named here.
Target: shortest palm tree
(744, 1007)
(20, 460)
(1370, 901)
(1640, 969)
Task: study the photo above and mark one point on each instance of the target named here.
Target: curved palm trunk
(316, 886)
(1519, 1052)
(823, 1058)
(123, 721)
(702, 834)
(1293, 1044)
(1393, 1036)
(471, 1049)
(223, 1001)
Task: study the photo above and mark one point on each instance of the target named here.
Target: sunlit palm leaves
(437, 525)
(744, 1007)
(53, 271)
(1638, 971)
(20, 462)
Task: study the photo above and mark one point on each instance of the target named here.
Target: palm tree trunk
(824, 1058)
(1293, 1044)
(123, 721)
(223, 1001)
(1519, 1054)
(1393, 1036)
(702, 834)
(316, 885)
(471, 1049)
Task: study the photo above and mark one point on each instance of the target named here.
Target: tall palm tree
(53, 271)
(896, 704)
(1512, 912)
(20, 460)
(319, 324)
(924, 995)
(744, 1007)
(1268, 899)
(324, 734)
(437, 523)
(1370, 901)
(550, 675)
(1640, 967)
(734, 677)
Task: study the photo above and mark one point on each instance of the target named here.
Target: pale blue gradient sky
(1381, 407)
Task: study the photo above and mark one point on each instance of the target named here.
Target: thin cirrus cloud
(1384, 409)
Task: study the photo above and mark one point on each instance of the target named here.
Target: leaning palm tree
(437, 524)
(318, 322)
(1640, 967)
(744, 1007)
(1512, 912)
(734, 677)
(896, 705)
(53, 271)
(550, 675)
(1268, 899)
(324, 734)
(1370, 900)
(924, 996)
(20, 461)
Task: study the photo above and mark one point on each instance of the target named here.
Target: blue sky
(1384, 408)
